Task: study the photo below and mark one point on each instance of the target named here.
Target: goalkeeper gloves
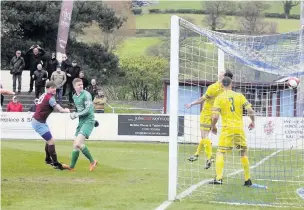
(73, 115)
(96, 123)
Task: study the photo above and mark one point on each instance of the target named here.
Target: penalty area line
(188, 191)
(253, 204)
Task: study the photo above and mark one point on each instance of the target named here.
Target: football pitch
(135, 176)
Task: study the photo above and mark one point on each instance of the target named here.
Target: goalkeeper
(85, 112)
(230, 106)
(205, 117)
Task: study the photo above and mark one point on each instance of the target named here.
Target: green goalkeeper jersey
(84, 106)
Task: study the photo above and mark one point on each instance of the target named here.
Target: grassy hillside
(162, 21)
(139, 45)
(136, 46)
(275, 6)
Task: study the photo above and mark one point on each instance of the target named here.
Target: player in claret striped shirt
(45, 106)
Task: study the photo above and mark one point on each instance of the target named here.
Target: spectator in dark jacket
(72, 73)
(93, 88)
(33, 106)
(84, 80)
(2, 96)
(40, 77)
(34, 56)
(52, 65)
(17, 65)
(65, 65)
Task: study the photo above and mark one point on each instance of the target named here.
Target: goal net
(261, 66)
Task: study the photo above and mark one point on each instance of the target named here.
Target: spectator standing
(65, 65)
(99, 101)
(33, 106)
(85, 82)
(72, 73)
(17, 65)
(40, 77)
(14, 105)
(59, 78)
(33, 57)
(93, 88)
(2, 96)
(52, 65)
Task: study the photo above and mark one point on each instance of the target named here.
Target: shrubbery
(137, 11)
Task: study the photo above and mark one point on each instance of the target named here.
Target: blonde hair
(76, 80)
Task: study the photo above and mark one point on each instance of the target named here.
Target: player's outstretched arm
(6, 92)
(198, 101)
(250, 112)
(61, 109)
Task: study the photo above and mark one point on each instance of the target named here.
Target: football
(293, 82)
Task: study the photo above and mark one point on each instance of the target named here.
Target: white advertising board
(274, 132)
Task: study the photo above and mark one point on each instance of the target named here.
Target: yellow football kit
(206, 114)
(230, 104)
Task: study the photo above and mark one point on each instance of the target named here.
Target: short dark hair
(229, 74)
(50, 84)
(226, 81)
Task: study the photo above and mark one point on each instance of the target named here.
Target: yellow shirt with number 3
(230, 104)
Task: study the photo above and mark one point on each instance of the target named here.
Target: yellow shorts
(230, 138)
(205, 121)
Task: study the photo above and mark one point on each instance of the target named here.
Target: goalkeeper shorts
(85, 128)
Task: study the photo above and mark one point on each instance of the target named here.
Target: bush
(137, 11)
(278, 15)
(155, 11)
(274, 15)
(191, 11)
(98, 62)
(174, 11)
(294, 17)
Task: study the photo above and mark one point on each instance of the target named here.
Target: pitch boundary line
(188, 191)
(279, 180)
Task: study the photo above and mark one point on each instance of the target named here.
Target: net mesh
(276, 149)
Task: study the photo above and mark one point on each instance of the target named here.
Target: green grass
(162, 21)
(132, 176)
(136, 46)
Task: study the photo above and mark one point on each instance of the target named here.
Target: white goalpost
(261, 66)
